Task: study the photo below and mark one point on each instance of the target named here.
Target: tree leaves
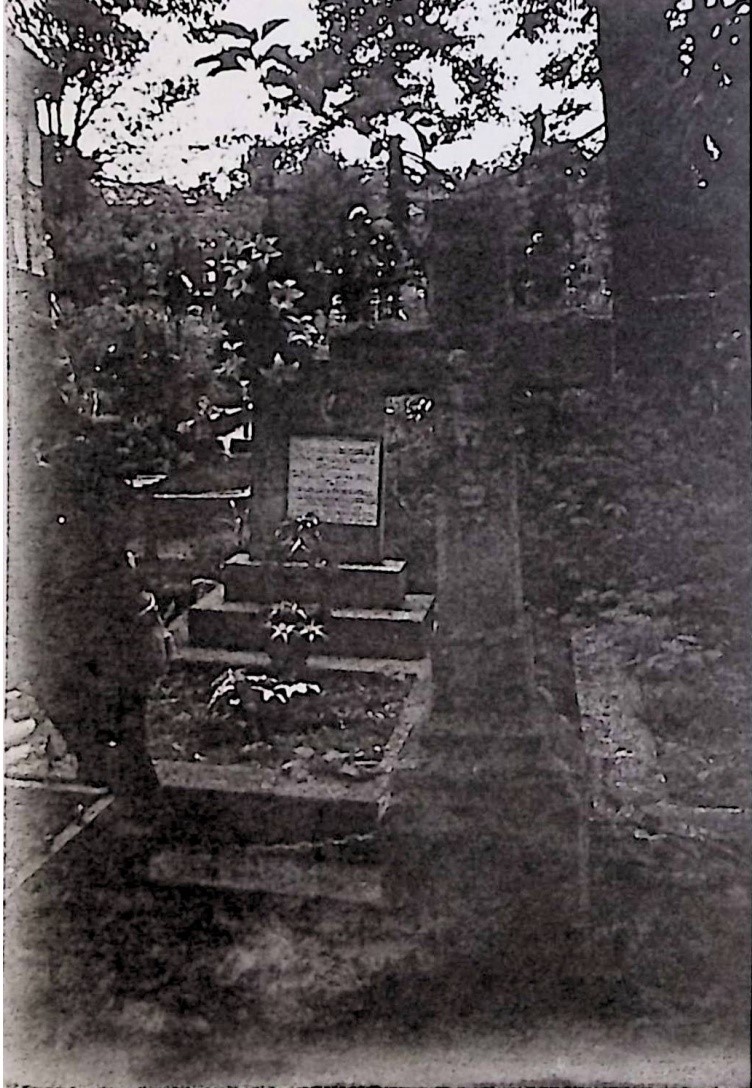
(271, 25)
(236, 30)
(229, 60)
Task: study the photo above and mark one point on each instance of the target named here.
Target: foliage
(167, 306)
(92, 45)
(83, 43)
(138, 345)
(271, 334)
(634, 514)
(623, 478)
(406, 79)
(342, 730)
(235, 685)
(299, 540)
(338, 232)
(134, 241)
(292, 633)
(133, 372)
(382, 71)
(290, 624)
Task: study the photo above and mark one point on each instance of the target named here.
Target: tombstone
(185, 525)
(485, 654)
(484, 657)
(320, 450)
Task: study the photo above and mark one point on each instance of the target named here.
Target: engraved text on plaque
(336, 478)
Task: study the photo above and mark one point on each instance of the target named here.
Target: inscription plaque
(336, 478)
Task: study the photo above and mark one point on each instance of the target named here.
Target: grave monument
(324, 448)
(320, 450)
(320, 454)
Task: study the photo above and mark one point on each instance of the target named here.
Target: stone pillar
(484, 654)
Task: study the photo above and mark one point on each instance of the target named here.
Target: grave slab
(235, 803)
(385, 666)
(175, 515)
(230, 805)
(357, 585)
(364, 632)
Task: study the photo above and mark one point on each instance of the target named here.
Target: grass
(344, 730)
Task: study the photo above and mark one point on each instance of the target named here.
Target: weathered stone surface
(247, 871)
(217, 807)
(355, 585)
(364, 632)
(512, 839)
(166, 517)
(484, 647)
(385, 666)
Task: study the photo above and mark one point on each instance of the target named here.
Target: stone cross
(485, 652)
(475, 349)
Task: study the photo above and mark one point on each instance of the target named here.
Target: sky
(206, 136)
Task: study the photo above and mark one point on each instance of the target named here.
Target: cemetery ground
(642, 567)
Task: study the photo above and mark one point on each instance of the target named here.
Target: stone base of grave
(176, 515)
(261, 662)
(311, 838)
(228, 813)
(354, 585)
(403, 633)
(233, 804)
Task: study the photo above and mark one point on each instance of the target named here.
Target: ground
(346, 722)
(206, 987)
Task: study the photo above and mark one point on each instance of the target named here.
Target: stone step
(347, 585)
(248, 871)
(232, 805)
(402, 633)
(386, 666)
